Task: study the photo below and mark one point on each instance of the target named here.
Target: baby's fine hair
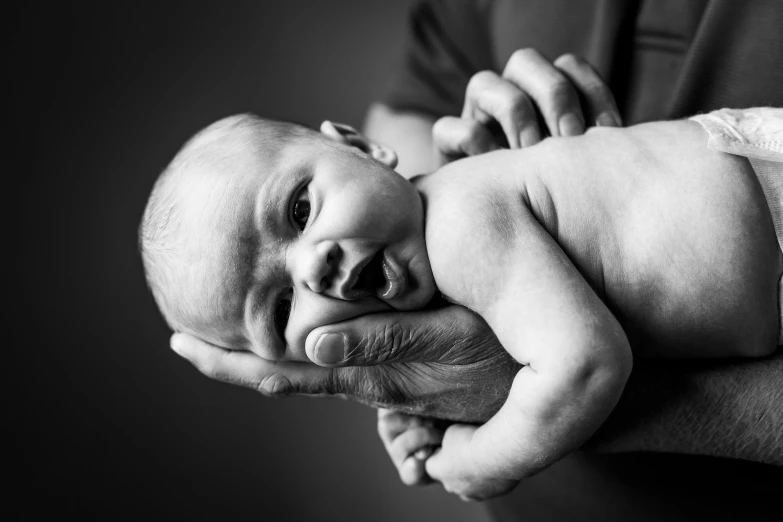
(160, 241)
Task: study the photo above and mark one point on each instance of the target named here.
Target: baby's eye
(301, 210)
(282, 311)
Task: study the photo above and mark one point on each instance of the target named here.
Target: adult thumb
(424, 336)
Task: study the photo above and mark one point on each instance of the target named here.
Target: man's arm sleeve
(447, 42)
(721, 408)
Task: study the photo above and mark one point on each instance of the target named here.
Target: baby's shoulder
(472, 222)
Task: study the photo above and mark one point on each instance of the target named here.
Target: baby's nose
(322, 267)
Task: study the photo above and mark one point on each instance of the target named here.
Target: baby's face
(320, 234)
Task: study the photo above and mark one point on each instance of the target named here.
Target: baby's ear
(347, 135)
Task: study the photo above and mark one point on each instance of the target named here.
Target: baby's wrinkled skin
(573, 251)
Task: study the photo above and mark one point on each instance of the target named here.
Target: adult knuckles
(473, 130)
(514, 104)
(561, 94)
(452, 135)
(479, 81)
(590, 83)
(441, 128)
(280, 385)
(474, 139)
(276, 385)
(559, 91)
(521, 57)
(598, 93)
(570, 61)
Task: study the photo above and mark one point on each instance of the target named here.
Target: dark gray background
(107, 422)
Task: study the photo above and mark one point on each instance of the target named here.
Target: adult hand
(443, 363)
(533, 98)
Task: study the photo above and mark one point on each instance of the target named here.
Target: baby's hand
(409, 440)
(454, 465)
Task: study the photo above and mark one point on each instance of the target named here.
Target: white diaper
(756, 134)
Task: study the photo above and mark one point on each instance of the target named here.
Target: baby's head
(260, 231)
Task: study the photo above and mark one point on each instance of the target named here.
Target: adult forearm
(723, 408)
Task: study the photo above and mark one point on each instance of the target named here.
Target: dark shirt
(662, 59)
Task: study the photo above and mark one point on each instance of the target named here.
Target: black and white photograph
(396, 260)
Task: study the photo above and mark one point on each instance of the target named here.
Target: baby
(578, 253)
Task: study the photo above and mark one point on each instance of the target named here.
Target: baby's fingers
(451, 465)
(459, 466)
(411, 450)
(409, 440)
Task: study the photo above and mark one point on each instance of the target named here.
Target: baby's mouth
(371, 278)
(381, 277)
(395, 278)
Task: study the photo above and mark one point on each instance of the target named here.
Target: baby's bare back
(675, 238)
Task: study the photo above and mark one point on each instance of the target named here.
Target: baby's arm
(576, 356)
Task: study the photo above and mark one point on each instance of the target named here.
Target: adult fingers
(551, 91)
(371, 386)
(424, 336)
(458, 137)
(247, 369)
(599, 105)
(489, 97)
